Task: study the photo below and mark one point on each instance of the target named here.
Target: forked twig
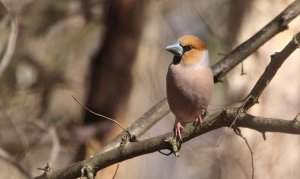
(105, 117)
(240, 110)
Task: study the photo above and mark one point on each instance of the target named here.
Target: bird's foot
(200, 117)
(178, 128)
(198, 120)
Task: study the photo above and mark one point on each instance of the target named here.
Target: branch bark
(276, 61)
(216, 120)
(241, 52)
(226, 117)
(142, 124)
(220, 69)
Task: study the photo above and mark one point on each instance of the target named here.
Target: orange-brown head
(191, 50)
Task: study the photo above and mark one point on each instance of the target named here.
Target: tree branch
(214, 121)
(12, 39)
(226, 117)
(10, 159)
(276, 61)
(141, 125)
(241, 52)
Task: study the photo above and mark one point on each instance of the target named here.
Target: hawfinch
(189, 81)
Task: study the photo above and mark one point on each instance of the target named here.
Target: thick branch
(231, 115)
(216, 120)
(142, 124)
(220, 69)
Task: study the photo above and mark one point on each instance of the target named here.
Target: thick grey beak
(176, 49)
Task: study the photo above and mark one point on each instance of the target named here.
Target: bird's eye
(187, 48)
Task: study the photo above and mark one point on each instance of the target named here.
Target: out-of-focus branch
(223, 118)
(10, 159)
(220, 69)
(241, 52)
(55, 145)
(12, 39)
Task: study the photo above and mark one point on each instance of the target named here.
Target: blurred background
(110, 55)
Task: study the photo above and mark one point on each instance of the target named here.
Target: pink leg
(178, 129)
(198, 120)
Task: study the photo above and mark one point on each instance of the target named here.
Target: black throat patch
(176, 60)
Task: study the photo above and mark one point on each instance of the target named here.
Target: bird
(189, 82)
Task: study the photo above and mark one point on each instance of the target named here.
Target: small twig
(116, 171)
(46, 169)
(55, 145)
(264, 136)
(242, 69)
(105, 117)
(238, 132)
(4, 155)
(296, 40)
(166, 154)
(296, 117)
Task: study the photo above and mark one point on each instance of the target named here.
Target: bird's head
(189, 51)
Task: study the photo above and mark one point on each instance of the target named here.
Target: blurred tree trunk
(111, 66)
(237, 11)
